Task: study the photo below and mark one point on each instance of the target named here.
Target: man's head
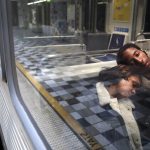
(131, 54)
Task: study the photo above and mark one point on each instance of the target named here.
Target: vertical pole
(134, 20)
(4, 77)
(90, 8)
(144, 15)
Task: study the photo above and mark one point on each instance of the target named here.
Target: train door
(147, 20)
(14, 5)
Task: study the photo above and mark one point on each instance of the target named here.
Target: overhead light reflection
(39, 1)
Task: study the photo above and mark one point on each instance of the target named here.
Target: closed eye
(136, 54)
(135, 84)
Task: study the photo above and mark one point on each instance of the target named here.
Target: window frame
(9, 74)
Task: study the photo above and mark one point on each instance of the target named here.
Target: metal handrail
(142, 33)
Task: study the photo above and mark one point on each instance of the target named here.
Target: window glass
(68, 49)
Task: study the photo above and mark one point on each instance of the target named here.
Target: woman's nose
(133, 91)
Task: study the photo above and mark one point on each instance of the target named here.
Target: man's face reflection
(127, 87)
(136, 57)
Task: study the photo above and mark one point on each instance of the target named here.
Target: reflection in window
(51, 41)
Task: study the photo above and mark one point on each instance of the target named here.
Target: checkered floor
(74, 88)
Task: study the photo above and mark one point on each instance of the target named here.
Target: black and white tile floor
(71, 79)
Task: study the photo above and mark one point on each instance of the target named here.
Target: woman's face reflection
(127, 87)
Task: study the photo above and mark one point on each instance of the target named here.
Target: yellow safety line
(75, 126)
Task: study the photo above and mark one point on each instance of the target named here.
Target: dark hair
(120, 57)
(118, 72)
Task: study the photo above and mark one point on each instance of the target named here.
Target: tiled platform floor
(74, 88)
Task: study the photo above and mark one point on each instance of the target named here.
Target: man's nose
(139, 60)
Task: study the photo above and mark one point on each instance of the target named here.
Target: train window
(94, 15)
(101, 15)
(82, 93)
(147, 19)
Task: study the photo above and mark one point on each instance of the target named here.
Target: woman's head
(123, 80)
(127, 87)
(131, 54)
